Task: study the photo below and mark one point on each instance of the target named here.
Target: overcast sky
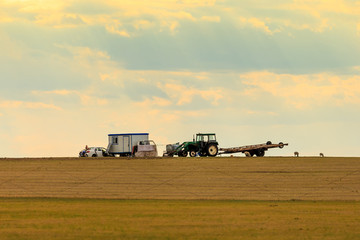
(73, 71)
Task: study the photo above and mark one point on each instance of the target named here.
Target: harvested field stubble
(268, 178)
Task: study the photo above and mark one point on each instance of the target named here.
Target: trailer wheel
(247, 154)
(192, 153)
(260, 153)
(281, 145)
(94, 155)
(212, 150)
(268, 143)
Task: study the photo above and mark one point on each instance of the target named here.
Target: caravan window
(115, 140)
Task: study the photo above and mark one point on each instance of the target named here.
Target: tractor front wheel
(192, 153)
(182, 154)
(212, 150)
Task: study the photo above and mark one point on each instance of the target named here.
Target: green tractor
(204, 144)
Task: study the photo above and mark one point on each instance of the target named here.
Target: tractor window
(206, 138)
(212, 138)
(199, 138)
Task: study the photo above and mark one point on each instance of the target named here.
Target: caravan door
(127, 144)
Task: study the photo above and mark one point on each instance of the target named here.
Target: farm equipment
(251, 150)
(146, 148)
(205, 144)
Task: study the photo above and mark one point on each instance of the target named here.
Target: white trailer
(122, 144)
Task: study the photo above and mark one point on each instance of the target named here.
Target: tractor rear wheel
(212, 150)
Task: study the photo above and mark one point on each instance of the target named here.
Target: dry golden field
(180, 198)
(237, 178)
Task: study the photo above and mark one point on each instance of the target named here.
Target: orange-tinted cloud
(305, 91)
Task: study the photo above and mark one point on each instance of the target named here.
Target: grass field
(174, 198)
(34, 218)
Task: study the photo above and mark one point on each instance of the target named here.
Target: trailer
(123, 144)
(251, 150)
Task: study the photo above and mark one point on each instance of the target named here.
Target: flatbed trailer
(251, 150)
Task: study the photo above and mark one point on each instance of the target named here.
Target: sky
(74, 71)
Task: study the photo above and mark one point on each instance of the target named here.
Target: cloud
(5, 18)
(81, 52)
(154, 101)
(116, 16)
(211, 18)
(319, 16)
(94, 63)
(86, 97)
(143, 24)
(184, 95)
(60, 20)
(304, 91)
(128, 18)
(37, 11)
(62, 92)
(11, 48)
(36, 5)
(319, 8)
(28, 105)
(115, 27)
(256, 23)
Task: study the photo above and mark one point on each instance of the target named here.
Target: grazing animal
(321, 155)
(296, 154)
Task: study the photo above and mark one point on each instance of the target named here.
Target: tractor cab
(205, 137)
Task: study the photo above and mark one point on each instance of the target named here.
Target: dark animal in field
(321, 155)
(296, 154)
